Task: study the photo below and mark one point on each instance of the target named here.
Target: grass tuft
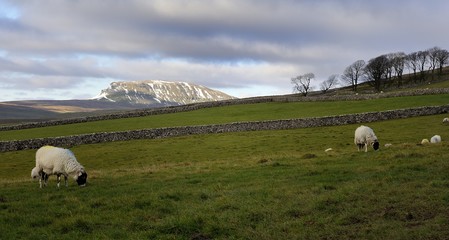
(308, 156)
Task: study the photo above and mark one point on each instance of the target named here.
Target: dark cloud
(216, 30)
(218, 43)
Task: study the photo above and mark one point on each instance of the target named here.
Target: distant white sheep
(425, 141)
(365, 136)
(445, 120)
(435, 139)
(57, 161)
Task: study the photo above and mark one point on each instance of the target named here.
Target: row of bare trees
(381, 71)
(388, 69)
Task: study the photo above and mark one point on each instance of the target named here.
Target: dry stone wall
(70, 141)
(196, 106)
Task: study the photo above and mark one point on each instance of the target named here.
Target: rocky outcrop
(159, 93)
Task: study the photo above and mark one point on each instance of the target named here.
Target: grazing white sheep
(435, 139)
(365, 136)
(425, 141)
(57, 161)
(446, 120)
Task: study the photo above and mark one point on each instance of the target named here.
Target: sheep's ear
(80, 173)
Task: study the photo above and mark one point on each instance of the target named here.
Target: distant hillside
(38, 110)
(17, 110)
(118, 97)
(154, 93)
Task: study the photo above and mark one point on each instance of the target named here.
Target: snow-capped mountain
(159, 93)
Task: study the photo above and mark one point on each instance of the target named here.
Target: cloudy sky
(66, 49)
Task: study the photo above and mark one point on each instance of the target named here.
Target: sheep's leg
(65, 181)
(45, 177)
(366, 147)
(41, 177)
(59, 179)
(359, 147)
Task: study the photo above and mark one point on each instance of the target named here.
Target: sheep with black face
(57, 161)
(365, 136)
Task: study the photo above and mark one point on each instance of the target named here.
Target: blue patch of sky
(8, 11)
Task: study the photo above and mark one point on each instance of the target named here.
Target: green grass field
(236, 113)
(250, 185)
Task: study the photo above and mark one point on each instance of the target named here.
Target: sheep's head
(81, 178)
(376, 145)
(35, 173)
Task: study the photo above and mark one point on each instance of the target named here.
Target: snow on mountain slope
(162, 93)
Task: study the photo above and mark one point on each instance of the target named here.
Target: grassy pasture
(237, 113)
(250, 185)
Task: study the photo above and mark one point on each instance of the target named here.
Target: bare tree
(353, 73)
(442, 59)
(433, 53)
(302, 83)
(398, 62)
(412, 63)
(376, 71)
(389, 67)
(423, 59)
(329, 83)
